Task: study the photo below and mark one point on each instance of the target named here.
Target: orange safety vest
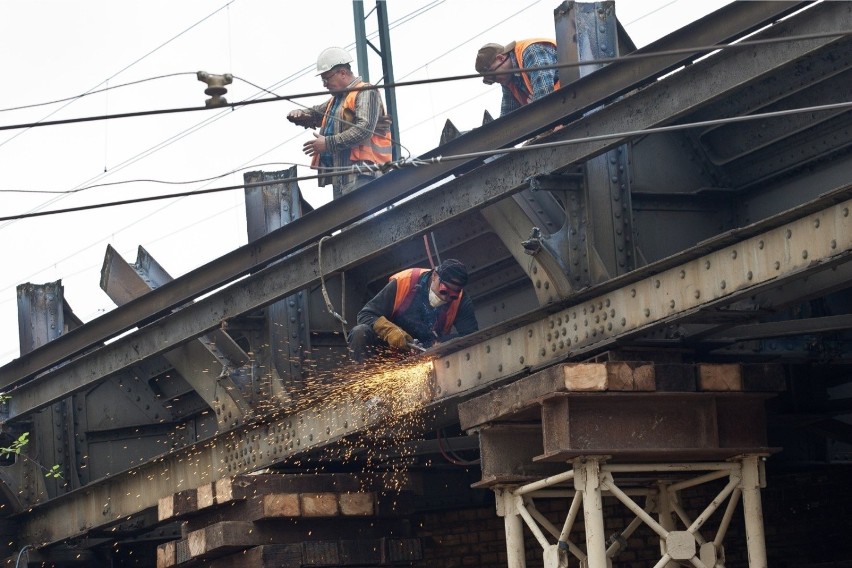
(520, 46)
(377, 150)
(406, 283)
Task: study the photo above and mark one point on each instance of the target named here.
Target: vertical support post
(387, 72)
(507, 509)
(752, 476)
(268, 208)
(664, 516)
(41, 318)
(566, 30)
(384, 51)
(587, 479)
(586, 31)
(361, 40)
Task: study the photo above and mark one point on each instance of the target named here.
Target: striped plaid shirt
(535, 55)
(341, 136)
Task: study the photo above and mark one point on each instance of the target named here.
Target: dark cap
(488, 53)
(453, 272)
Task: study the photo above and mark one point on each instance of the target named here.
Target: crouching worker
(417, 305)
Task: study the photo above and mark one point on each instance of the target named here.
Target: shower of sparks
(394, 395)
(387, 397)
(334, 416)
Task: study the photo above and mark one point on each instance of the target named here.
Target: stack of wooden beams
(283, 521)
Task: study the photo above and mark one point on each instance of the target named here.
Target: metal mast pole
(361, 40)
(384, 51)
(387, 71)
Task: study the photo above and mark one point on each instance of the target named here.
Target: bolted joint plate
(680, 545)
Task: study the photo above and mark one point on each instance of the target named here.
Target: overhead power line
(419, 162)
(98, 91)
(116, 74)
(591, 62)
(143, 180)
(137, 60)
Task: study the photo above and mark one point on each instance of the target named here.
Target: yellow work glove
(392, 333)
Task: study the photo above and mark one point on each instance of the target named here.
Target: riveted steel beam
(651, 106)
(270, 207)
(202, 363)
(571, 248)
(562, 106)
(793, 252)
(607, 187)
(245, 449)
(514, 228)
(767, 256)
(40, 320)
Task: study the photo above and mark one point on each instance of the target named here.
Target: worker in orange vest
(495, 63)
(353, 127)
(418, 307)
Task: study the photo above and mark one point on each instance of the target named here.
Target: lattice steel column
(752, 481)
(664, 515)
(507, 509)
(587, 478)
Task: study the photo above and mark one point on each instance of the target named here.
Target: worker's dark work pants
(363, 342)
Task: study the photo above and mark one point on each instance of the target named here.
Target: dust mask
(434, 299)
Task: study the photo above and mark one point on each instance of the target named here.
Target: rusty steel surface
(545, 341)
(588, 92)
(475, 189)
(654, 426)
(817, 242)
(107, 502)
(800, 253)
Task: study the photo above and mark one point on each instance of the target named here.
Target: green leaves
(16, 447)
(53, 473)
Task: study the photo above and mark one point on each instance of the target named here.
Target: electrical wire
(421, 162)
(323, 116)
(291, 98)
(204, 123)
(450, 455)
(107, 89)
(143, 180)
(276, 97)
(128, 66)
(399, 84)
(428, 251)
(444, 54)
(435, 244)
(122, 70)
(26, 549)
(328, 305)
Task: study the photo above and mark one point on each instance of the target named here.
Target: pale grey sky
(54, 49)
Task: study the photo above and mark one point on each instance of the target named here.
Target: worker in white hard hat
(354, 138)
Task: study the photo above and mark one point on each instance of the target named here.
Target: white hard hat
(330, 57)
